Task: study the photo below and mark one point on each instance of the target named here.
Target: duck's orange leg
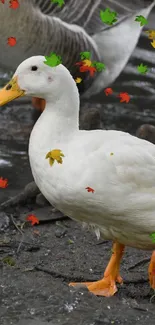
(38, 103)
(107, 286)
(151, 271)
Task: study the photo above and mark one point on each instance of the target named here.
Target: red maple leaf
(12, 41)
(14, 4)
(85, 68)
(124, 97)
(108, 91)
(79, 63)
(89, 189)
(3, 182)
(33, 219)
(3, 1)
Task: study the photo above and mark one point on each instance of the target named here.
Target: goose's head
(34, 78)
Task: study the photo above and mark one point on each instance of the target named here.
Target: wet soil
(50, 255)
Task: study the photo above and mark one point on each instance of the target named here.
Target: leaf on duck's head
(53, 60)
(85, 55)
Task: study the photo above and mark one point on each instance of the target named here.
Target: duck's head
(36, 79)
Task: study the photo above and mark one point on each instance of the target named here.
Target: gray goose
(41, 27)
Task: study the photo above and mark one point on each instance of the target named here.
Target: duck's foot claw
(105, 287)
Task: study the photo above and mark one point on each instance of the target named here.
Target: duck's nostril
(8, 87)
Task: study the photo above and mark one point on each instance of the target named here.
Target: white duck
(120, 168)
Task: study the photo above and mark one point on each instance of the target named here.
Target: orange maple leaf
(90, 189)
(14, 4)
(3, 182)
(124, 97)
(33, 219)
(12, 41)
(85, 68)
(108, 91)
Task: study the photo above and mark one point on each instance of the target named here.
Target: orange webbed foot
(107, 286)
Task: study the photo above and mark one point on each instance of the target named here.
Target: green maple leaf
(143, 21)
(85, 55)
(142, 68)
(53, 60)
(98, 65)
(108, 17)
(59, 2)
(9, 260)
(153, 237)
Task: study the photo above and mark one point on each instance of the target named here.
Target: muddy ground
(46, 257)
(50, 255)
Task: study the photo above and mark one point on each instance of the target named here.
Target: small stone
(91, 119)
(4, 221)
(41, 200)
(31, 190)
(60, 232)
(146, 132)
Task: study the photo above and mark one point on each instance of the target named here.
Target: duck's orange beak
(10, 92)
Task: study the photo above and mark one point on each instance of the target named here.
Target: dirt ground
(48, 256)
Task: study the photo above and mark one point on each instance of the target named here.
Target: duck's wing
(122, 173)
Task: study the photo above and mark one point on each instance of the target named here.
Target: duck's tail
(115, 46)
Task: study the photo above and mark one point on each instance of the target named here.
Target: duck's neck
(58, 123)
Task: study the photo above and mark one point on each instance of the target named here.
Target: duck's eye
(34, 68)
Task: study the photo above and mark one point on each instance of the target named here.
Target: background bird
(44, 27)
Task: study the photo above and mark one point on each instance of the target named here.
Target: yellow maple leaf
(53, 155)
(151, 34)
(87, 62)
(153, 43)
(78, 80)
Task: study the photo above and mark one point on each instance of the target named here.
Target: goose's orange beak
(10, 92)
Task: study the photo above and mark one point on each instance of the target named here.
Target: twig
(153, 296)
(102, 242)
(135, 281)
(15, 224)
(14, 200)
(144, 260)
(27, 243)
(139, 308)
(54, 219)
(63, 276)
(20, 244)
